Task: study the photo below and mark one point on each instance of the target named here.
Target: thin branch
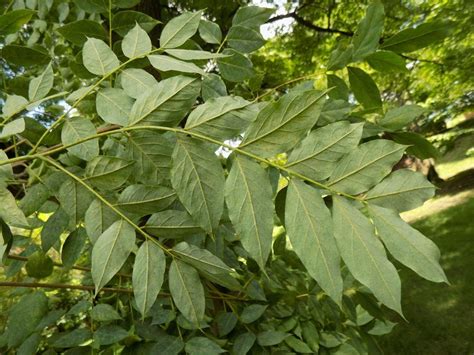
(310, 24)
(62, 286)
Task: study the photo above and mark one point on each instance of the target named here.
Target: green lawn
(441, 317)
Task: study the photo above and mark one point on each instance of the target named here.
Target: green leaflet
(77, 32)
(13, 127)
(53, 228)
(310, 233)
(198, 178)
(365, 166)
(407, 245)
(6, 171)
(12, 21)
(210, 32)
(245, 39)
(243, 343)
(202, 345)
(317, 155)
(13, 105)
(187, 54)
(412, 39)
(9, 210)
(402, 190)
(398, 117)
(281, 125)
(187, 291)
(109, 334)
(151, 151)
(40, 86)
(180, 29)
(386, 61)
(249, 199)
(97, 219)
(98, 58)
(213, 86)
(25, 56)
(145, 199)
(136, 42)
(111, 251)
(172, 224)
(124, 21)
(72, 247)
(366, 37)
(74, 199)
(108, 173)
(75, 129)
(364, 254)
(365, 89)
(235, 66)
(201, 259)
(167, 102)
(253, 312)
(103, 312)
(136, 81)
(114, 105)
(221, 118)
(340, 90)
(251, 16)
(148, 275)
(167, 63)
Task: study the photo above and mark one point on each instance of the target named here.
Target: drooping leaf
(40, 86)
(317, 155)
(97, 219)
(402, 190)
(124, 21)
(108, 173)
(111, 251)
(12, 21)
(187, 291)
(201, 259)
(98, 58)
(75, 129)
(419, 145)
(414, 38)
(54, 227)
(366, 37)
(364, 254)
(310, 233)
(235, 66)
(148, 275)
(282, 124)
(136, 43)
(221, 118)
(172, 224)
(75, 200)
(151, 151)
(72, 247)
(364, 88)
(166, 103)
(136, 81)
(407, 245)
(145, 199)
(387, 61)
(180, 29)
(210, 32)
(114, 105)
(365, 166)
(9, 210)
(198, 178)
(399, 117)
(77, 32)
(167, 63)
(249, 200)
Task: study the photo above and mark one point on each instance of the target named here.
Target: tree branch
(62, 286)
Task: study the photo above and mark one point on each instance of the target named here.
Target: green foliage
(203, 214)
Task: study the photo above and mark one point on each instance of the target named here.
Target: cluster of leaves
(203, 221)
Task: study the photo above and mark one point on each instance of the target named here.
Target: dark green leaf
(56, 224)
(252, 313)
(364, 88)
(213, 86)
(340, 90)
(25, 56)
(97, 219)
(77, 32)
(245, 39)
(310, 233)
(124, 21)
(111, 251)
(108, 173)
(187, 291)
(235, 67)
(39, 265)
(399, 117)
(72, 247)
(75, 129)
(75, 200)
(226, 322)
(172, 224)
(364, 254)
(104, 313)
(109, 334)
(73, 338)
(270, 337)
(420, 146)
(11, 22)
(148, 275)
(249, 200)
(198, 178)
(243, 343)
(145, 199)
(387, 61)
(366, 37)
